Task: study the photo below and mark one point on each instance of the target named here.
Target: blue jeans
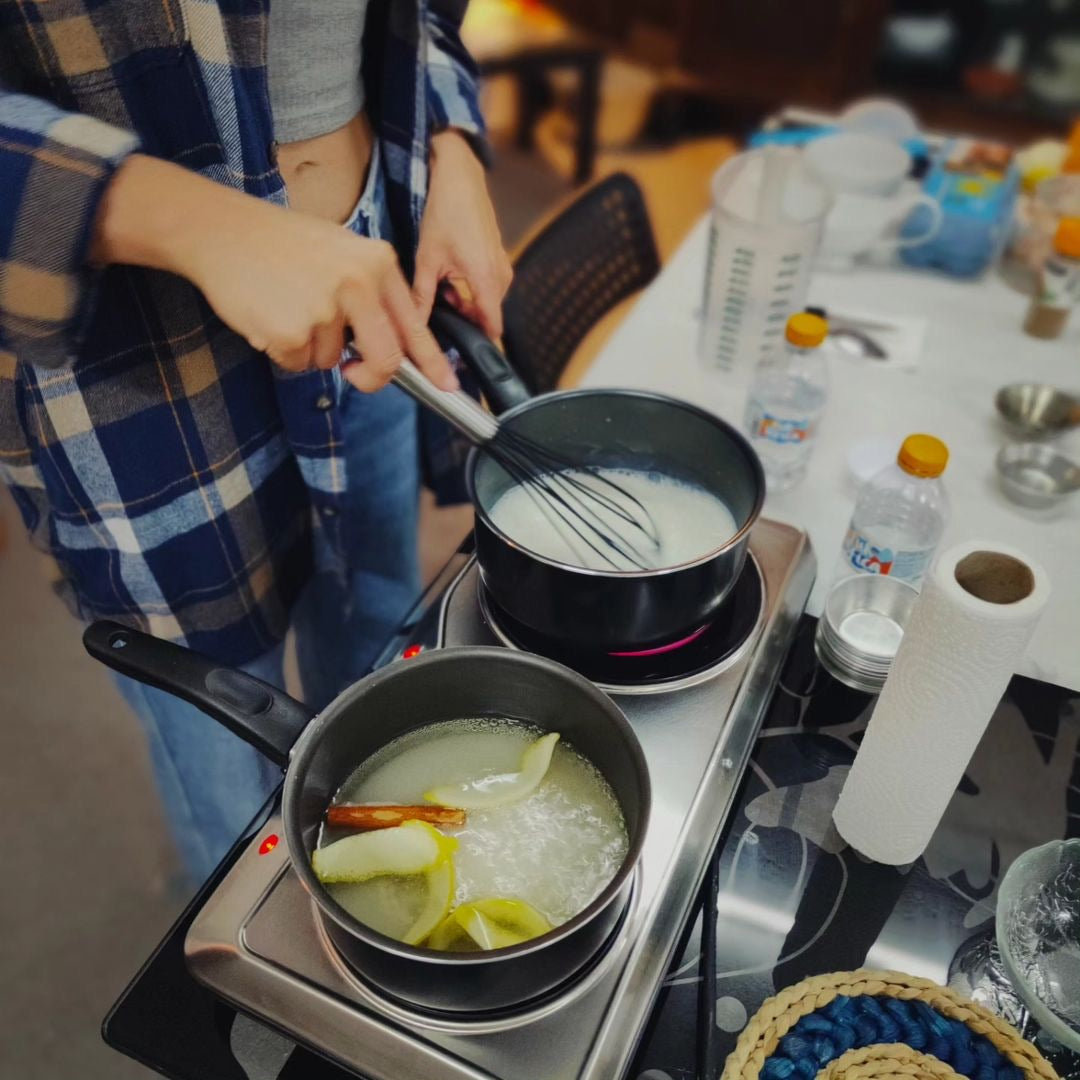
(211, 782)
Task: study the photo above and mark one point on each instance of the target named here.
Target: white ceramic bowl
(858, 164)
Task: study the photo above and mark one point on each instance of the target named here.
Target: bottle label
(861, 553)
(780, 429)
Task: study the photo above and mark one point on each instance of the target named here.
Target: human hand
(290, 283)
(459, 238)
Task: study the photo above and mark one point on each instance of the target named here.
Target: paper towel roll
(965, 637)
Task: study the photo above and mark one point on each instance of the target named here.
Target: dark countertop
(792, 899)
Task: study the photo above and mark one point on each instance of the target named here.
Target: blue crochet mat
(849, 1023)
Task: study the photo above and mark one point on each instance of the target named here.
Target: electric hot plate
(256, 940)
(700, 656)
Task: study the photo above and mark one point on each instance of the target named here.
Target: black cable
(706, 1022)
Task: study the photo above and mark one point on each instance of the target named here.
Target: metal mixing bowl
(1033, 411)
(1034, 475)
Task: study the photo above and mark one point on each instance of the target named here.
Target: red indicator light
(411, 651)
(268, 844)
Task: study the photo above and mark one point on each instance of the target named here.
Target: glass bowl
(1038, 933)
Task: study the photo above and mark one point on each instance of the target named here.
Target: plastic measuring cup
(764, 231)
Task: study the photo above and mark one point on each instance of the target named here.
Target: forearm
(288, 282)
(452, 151)
(459, 237)
(162, 216)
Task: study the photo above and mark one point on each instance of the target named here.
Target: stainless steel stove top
(258, 944)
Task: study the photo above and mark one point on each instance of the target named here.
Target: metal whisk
(608, 519)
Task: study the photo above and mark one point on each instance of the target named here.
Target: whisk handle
(455, 407)
(499, 382)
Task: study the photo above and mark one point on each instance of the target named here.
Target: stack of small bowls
(1032, 474)
(861, 627)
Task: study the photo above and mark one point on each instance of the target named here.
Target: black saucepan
(322, 751)
(616, 610)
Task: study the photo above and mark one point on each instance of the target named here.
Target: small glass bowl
(1038, 933)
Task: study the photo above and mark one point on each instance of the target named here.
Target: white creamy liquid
(556, 849)
(690, 521)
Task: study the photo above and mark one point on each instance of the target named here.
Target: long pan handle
(259, 713)
(499, 382)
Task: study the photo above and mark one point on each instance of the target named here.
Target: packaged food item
(976, 184)
(1058, 284)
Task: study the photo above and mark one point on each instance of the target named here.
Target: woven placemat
(887, 1061)
(875, 1025)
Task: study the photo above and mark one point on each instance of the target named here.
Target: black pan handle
(499, 382)
(256, 711)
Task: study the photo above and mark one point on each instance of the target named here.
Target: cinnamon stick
(387, 817)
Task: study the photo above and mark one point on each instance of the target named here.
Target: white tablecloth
(973, 346)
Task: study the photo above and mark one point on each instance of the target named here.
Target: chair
(597, 252)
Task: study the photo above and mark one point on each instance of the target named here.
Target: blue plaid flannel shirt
(179, 479)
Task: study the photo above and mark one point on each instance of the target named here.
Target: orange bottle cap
(1067, 238)
(923, 455)
(806, 330)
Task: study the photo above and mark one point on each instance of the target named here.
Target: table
(974, 345)
(793, 900)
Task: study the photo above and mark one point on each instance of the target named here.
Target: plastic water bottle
(786, 401)
(900, 514)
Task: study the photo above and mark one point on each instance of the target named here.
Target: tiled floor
(85, 891)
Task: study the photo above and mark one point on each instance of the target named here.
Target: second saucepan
(322, 751)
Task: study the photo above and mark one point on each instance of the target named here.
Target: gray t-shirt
(313, 65)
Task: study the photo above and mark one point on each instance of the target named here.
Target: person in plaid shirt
(176, 282)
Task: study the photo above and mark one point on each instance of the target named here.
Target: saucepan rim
(543, 400)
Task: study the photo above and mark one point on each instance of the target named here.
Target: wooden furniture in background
(820, 52)
(765, 53)
(529, 41)
(530, 67)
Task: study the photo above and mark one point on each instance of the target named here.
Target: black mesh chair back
(594, 254)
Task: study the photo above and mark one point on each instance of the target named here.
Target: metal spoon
(856, 343)
(850, 337)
